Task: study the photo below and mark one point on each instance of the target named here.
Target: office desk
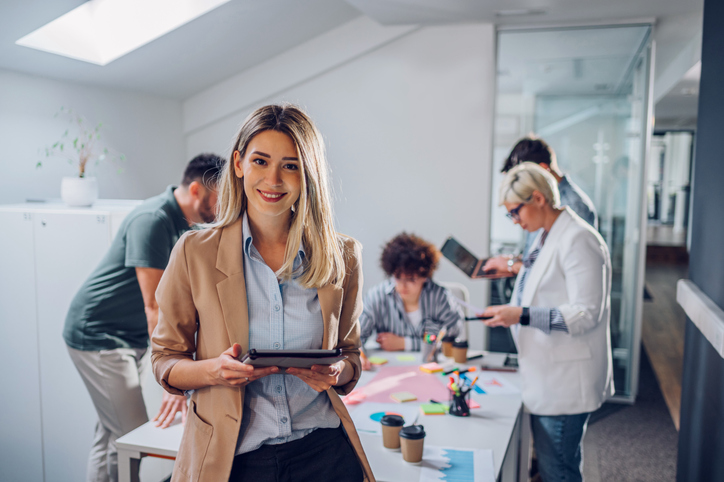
(498, 425)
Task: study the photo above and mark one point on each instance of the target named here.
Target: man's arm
(148, 279)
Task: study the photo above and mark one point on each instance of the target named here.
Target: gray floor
(632, 442)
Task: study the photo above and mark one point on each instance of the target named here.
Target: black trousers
(323, 455)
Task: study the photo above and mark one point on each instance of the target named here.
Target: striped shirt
(280, 408)
(545, 319)
(384, 312)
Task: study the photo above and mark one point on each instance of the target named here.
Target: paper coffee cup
(391, 426)
(447, 346)
(412, 440)
(460, 351)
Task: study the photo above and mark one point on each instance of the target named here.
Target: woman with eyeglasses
(559, 316)
(271, 273)
(401, 309)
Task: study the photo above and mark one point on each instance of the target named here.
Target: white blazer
(568, 373)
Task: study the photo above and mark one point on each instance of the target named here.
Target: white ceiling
(244, 33)
(224, 42)
(395, 12)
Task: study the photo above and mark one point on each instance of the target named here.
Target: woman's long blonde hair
(312, 220)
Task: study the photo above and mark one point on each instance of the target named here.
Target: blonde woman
(271, 273)
(559, 316)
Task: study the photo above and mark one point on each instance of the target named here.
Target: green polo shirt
(108, 311)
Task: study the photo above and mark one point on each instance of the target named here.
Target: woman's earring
(294, 208)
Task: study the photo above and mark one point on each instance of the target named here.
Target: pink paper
(390, 379)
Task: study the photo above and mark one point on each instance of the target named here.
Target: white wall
(146, 129)
(408, 126)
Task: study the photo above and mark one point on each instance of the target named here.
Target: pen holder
(459, 403)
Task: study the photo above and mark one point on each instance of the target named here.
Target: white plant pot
(79, 191)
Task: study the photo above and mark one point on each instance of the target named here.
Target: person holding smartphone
(269, 273)
(559, 316)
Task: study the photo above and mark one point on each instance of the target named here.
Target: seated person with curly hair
(410, 303)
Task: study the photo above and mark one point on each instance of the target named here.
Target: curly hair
(406, 254)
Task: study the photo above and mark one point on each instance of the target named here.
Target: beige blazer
(203, 311)
(568, 373)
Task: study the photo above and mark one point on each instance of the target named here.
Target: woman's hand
(322, 377)
(502, 315)
(228, 371)
(366, 365)
(391, 342)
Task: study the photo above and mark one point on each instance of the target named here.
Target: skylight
(100, 31)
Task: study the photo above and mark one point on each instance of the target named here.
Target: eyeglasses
(514, 213)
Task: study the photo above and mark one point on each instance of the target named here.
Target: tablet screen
(460, 257)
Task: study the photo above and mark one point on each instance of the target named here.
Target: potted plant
(79, 144)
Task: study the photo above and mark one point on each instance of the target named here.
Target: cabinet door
(68, 246)
(21, 455)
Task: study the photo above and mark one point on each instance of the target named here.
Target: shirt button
(284, 419)
(278, 389)
(276, 307)
(277, 345)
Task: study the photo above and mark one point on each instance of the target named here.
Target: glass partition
(585, 91)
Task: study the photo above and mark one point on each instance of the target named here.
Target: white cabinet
(47, 419)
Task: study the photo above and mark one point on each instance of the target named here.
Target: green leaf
(105, 150)
(38, 165)
(61, 148)
(75, 143)
(56, 144)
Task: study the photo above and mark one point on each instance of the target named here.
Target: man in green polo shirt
(113, 314)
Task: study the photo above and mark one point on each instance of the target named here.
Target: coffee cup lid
(413, 432)
(392, 421)
(460, 344)
(448, 338)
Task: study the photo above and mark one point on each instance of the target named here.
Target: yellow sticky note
(403, 397)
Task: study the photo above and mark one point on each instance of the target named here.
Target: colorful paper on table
(389, 380)
(494, 384)
(403, 397)
(434, 409)
(405, 357)
(366, 417)
(354, 397)
(473, 404)
(431, 367)
(377, 360)
(459, 465)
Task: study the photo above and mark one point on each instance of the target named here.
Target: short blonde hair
(520, 182)
(312, 220)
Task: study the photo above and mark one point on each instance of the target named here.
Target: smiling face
(272, 175)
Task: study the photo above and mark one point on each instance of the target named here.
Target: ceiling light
(100, 31)
(519, 12)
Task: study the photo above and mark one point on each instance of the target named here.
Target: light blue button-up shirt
(280, 408)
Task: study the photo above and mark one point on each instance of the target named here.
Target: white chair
(459, 291)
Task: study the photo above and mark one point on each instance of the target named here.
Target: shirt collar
(179, 219)
(249, 239)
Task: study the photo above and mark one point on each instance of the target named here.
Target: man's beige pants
(113, 379)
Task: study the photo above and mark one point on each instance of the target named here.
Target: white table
(498, 425)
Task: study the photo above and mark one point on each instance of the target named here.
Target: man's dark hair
(529, 149)
(406, 254)
(204, 168)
